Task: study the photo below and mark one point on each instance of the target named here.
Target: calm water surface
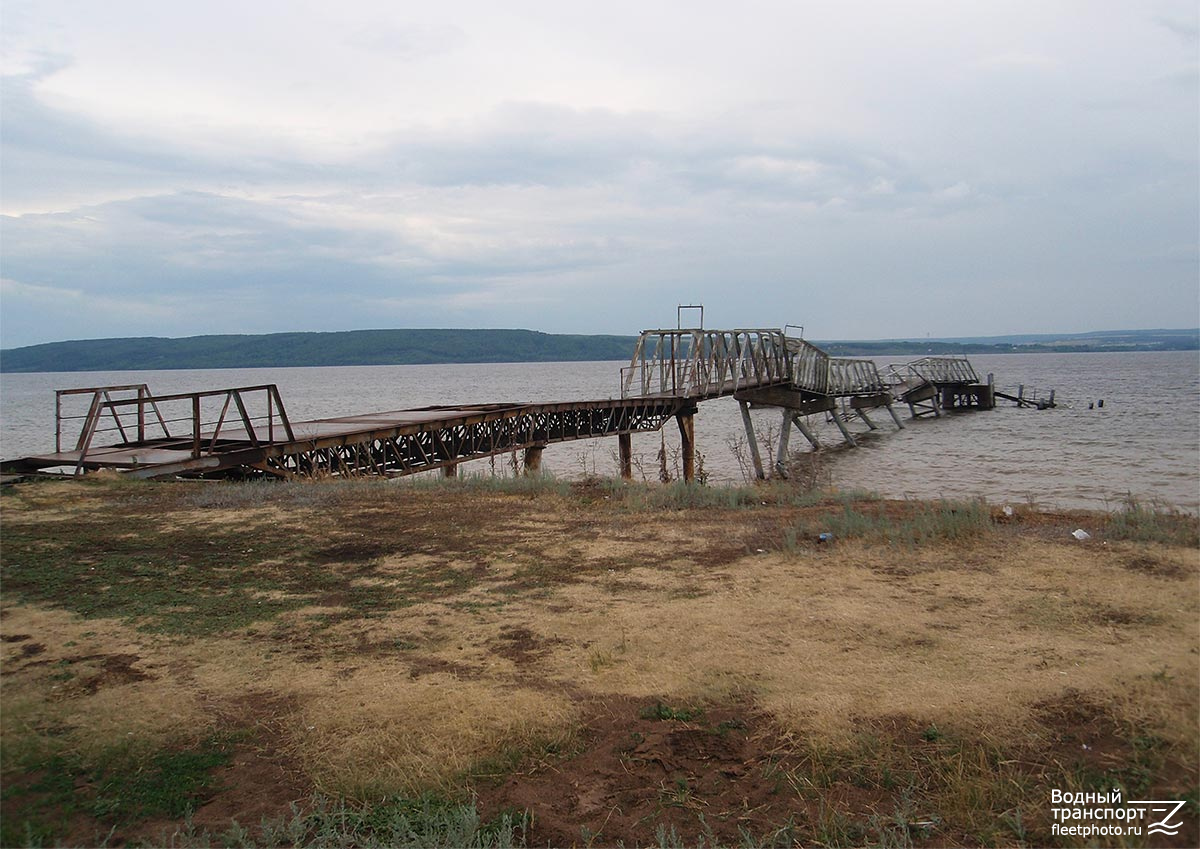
(1144, 442)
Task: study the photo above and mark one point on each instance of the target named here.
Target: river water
(1143, 442)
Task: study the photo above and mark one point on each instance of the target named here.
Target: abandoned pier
(246, 430)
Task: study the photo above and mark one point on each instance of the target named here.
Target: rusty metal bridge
(247, 431)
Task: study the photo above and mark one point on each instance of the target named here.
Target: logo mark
(1158, 807)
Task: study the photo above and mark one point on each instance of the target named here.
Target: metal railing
(934, 370)
(854, 377)
(697, 363)
(813, 370)
(100, 396)
(810, 367)
(188, 419)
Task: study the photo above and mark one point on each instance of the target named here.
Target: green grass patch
(118, 786)
(662, 712)
(119, 561)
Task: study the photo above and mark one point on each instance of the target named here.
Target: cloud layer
(866, 170)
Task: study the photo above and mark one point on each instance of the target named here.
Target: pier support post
(450, 471)
(625, 453)
(752, 441)
(785, 435)
(895, 417)
(837, 420)
(798, 421)
(687, 443)
(533, 459)
(862, 414)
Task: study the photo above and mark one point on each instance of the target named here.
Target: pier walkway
(247, 431)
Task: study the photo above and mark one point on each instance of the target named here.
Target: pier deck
(397, 442)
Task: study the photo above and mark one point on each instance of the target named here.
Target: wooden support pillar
(895, 417)
(752, 441)
(687, 444)
(533, 459)
(625, 452)
(863, 415)
(990, 401)
(450, 471)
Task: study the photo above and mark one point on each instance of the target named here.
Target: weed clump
(918, 524)
(666, 713)
(1138, 522)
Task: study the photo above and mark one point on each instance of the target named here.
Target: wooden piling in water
(625, 454)
(687, 444)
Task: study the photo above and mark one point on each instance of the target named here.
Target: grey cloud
(1187, 31)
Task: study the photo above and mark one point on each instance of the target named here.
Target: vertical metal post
(196, 426)
(58, 422)
(141, 415)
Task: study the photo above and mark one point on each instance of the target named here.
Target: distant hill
(1097, 341)
(279, 350)
(405, 347)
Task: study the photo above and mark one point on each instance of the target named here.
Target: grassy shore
(530, 661)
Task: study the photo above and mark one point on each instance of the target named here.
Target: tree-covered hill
(277, 350)
(406, 347)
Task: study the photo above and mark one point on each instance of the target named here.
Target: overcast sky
(867, 170)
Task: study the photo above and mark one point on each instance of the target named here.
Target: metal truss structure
(699, 364)
(475, 434)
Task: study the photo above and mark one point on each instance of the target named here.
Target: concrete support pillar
(625, 453)
(533, 459)
(752, 441)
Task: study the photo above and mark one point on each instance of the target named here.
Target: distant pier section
(246, 431)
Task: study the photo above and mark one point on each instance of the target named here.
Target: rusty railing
(197, 427)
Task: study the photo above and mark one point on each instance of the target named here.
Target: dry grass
(508, 614)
